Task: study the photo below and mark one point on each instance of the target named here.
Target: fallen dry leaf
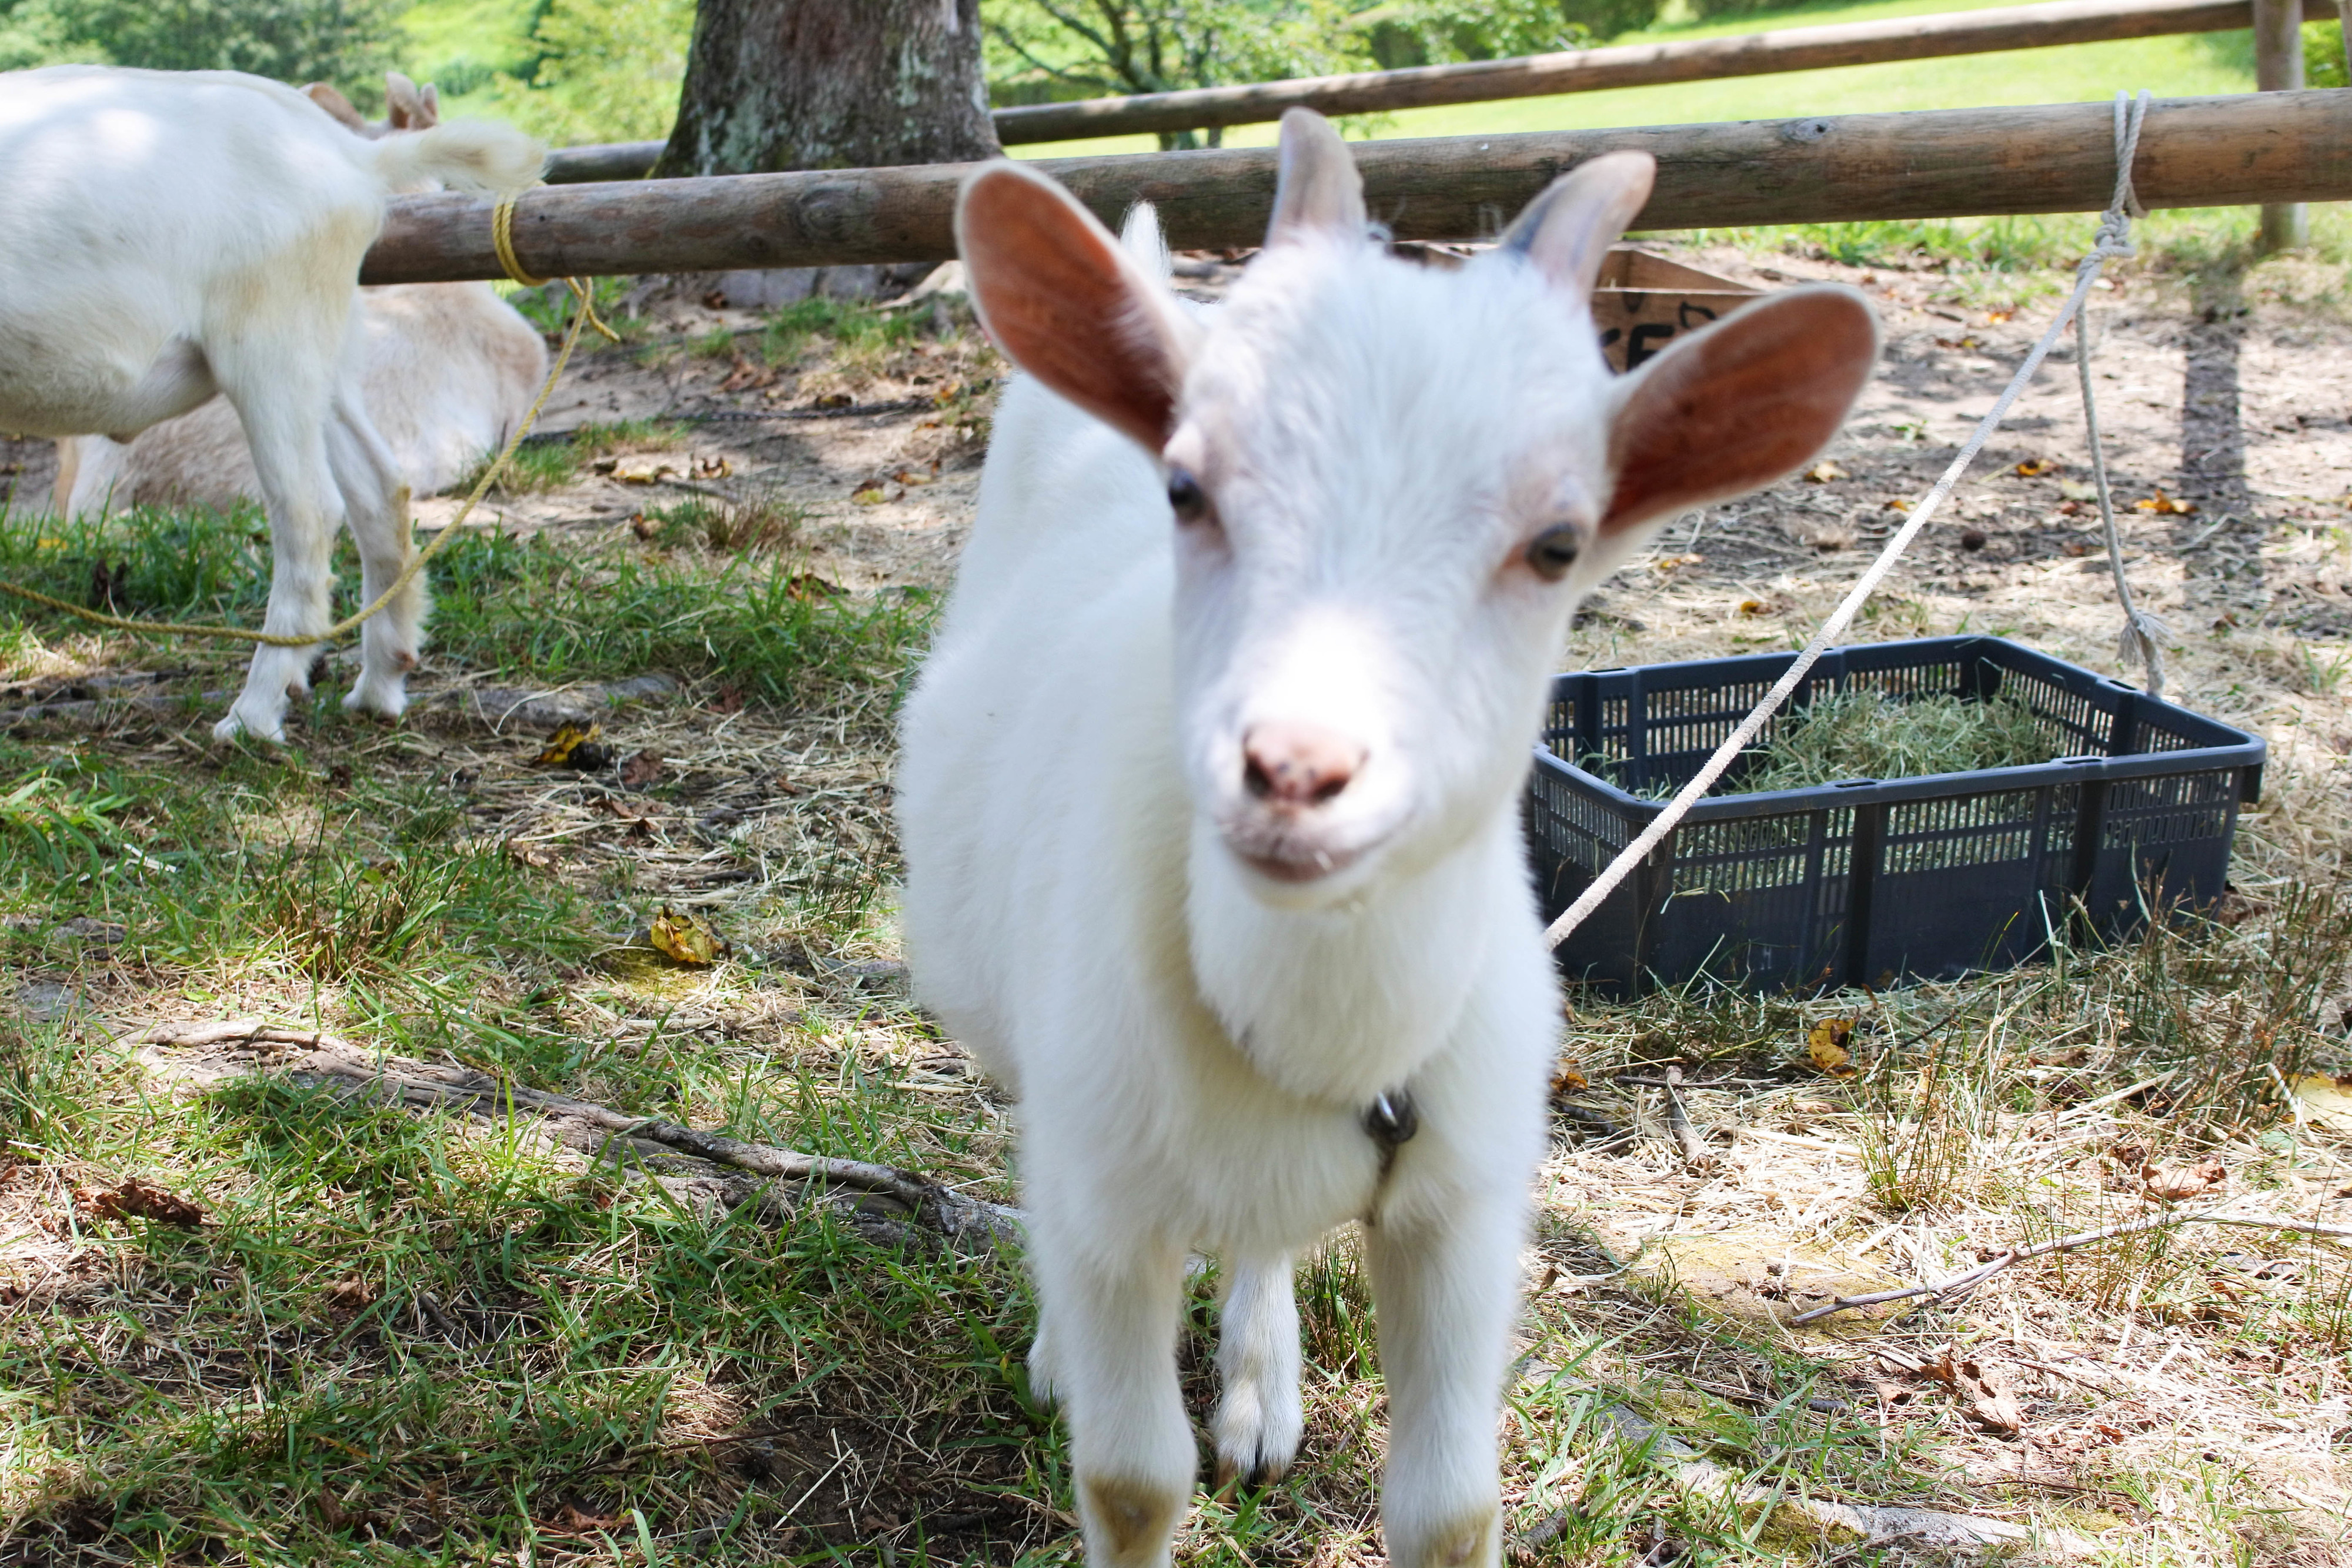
(1956, 342)
(2035, 467)
(687, 937)
(2164, 505)
(1897, 505)
(1995, 318)
(712, 466)
(640, 768)
(1751, 607)
(1567, 1080)
(1675, 562)
(1824, 471)
(565, 744)
(2076, 490)
(1825, 1043)
(2325, 1100)
(351, 1294)
(871, 496)
(134, 1199)
(2170, 1183)
(1985, 1393)
(643, 470)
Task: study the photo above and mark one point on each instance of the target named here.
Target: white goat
(446, 371)
(172, 235)
(1208, 786)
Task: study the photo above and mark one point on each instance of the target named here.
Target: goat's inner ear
(1738, 405)
(1068, 304)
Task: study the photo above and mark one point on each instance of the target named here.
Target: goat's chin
(1285, 868)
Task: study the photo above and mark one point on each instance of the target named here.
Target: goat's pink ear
(1738, 405)
(1067, 303)
(1317, 189)
(1567, 231)
(336, 104)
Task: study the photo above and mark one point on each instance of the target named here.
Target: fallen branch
(1840, 1522)
(209, 1054)
(1695, 1154)
(1960, 1284)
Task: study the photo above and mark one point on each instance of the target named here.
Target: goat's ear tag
(1567, 231)
(1067, 304)
(1319, 189)
(1738, 403)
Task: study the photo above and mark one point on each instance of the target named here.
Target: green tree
(347, 42)
(608, 70)
(1045, 50)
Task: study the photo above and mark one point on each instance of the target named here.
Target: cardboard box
(1642, 302)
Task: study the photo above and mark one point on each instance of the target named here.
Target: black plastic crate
(1875, 881)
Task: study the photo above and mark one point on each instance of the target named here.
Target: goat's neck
(1341, 1005)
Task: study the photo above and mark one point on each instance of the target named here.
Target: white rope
(2114, 239)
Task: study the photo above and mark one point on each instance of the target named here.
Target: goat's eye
(1553, 551)
(1186, 496)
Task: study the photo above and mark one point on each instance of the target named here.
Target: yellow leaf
(643, 470)
(1824, 471)
(1751, 607)
(872, 496)
(568, 738)
(2167, 506)
(1567, 1080)
(2325, 1100)
(1826, 1042)
(687, 938)
(2035, 467)
(2076, 490)
(1898, 506)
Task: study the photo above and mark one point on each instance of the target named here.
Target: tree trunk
(778, 85)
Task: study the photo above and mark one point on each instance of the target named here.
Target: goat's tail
(463, 155)
(1139, 235)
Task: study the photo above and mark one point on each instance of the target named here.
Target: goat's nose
(1298, 764)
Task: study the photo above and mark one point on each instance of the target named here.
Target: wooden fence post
(2278, 67)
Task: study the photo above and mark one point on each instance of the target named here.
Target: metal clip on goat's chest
(1390, 1121)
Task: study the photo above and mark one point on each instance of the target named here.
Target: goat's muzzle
(1292, 773)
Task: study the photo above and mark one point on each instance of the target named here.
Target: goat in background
(170, 236)
(447, 369)
(1208, 785)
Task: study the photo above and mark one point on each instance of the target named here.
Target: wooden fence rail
(1584, 70)
(2059, 158)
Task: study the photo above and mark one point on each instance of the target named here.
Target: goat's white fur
(172, 235)
(1192, 1042)
(447, 369)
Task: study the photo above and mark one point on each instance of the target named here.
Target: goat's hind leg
(284, 425)
(375, 501)
(1259, 1418)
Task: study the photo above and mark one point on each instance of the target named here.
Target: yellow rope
(503, 241)
(584, 315)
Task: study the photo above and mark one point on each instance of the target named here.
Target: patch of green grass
(558, 613)
(1863, 734)
(858, 334)
(552, 463)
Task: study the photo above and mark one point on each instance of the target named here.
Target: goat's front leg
(1110, 1304)
(1259, 1418)
(1445, 1288)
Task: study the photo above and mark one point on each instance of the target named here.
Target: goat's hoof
(363, 698)
(234, 727)
(1257, 1432)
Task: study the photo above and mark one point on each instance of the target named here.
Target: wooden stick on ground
(207, 1054)
(1960, 1284)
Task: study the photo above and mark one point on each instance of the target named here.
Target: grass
(1865, 735)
